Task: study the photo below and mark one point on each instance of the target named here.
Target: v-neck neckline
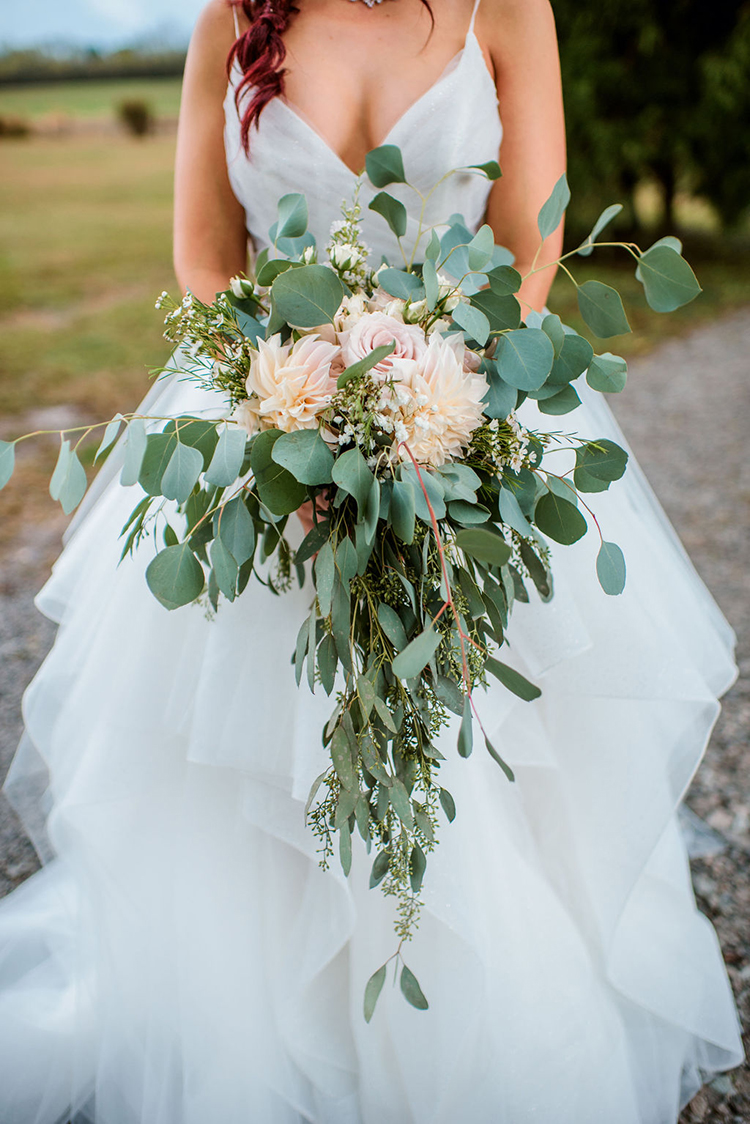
(450, 68)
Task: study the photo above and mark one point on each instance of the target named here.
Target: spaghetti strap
(237, 22)
(473, 16)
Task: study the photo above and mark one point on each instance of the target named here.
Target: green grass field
(89, 99)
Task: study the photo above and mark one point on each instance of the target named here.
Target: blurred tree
(658, 89)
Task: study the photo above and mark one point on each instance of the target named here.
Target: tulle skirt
(182, 958)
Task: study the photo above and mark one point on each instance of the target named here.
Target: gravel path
(700, 385)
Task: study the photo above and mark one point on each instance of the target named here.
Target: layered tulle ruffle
(182, 957)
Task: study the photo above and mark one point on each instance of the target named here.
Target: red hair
(261, 53)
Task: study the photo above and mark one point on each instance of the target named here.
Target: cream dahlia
(289, 385)
(439, 401)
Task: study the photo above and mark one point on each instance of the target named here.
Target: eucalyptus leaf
(7, 461)
(342, 759)
(399, 283)
(602, 458)
(667, 279)
(563, 402)
(175, 576)
(610, 568)
(465, 733)
(601, 307)
(510, 513)
(496, 757)
(229, 454)
(473, 321)
(68, 483)
(607, 373)
(385, 165)
(110, 436)
(553, 210)
(481, 247)
(234, 526)
(293, 216)
(417, 868)
(351, 473)
(307, 297)
(277, 488)
(327, 663)
(363, 365)
(417, 654)
(431, 283)
(504, 280)
(372, 992)
(412, 991)
(182, 472)
(345, 848)
(305, 454)
(513, 680)
(425, 485)
(502, 310)
(559, 518)
(225, 569)
(391, 624)
(609, 213)
(484, 545)
(325, 573)
(270, 270)
(501, 397)
(448, 804)
(524, 358)
(379, 869)
(450, 694)
(392, 210)
(159, 449)
(400, 803)
(552, 327)
(491, 169)
(135, 448)
(573, 358)
(314, 792)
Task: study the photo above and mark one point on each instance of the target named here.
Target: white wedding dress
(181, 958)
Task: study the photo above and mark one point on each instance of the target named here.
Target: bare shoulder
(210, 44)
(507, 24)
(214, 29)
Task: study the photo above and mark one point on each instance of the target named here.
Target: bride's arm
(521, 38)
(210, 241)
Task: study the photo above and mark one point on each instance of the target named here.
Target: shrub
(13, 127)
(136, 117)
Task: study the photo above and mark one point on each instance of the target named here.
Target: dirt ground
(698, 385)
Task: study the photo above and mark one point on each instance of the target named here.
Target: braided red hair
(261, 53)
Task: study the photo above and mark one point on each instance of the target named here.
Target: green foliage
(660, 91)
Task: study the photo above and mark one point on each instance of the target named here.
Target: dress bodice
(454, 124)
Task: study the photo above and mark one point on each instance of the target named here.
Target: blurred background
(658, 112)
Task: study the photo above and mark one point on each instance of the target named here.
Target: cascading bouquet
(385, 399)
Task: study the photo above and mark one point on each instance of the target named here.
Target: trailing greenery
(386, 400)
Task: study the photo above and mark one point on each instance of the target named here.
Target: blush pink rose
(375, 329)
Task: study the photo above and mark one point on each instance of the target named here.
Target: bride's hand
(305, 513)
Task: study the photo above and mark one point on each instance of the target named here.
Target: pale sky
(93, 22)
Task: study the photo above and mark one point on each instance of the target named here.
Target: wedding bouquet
(384, 399)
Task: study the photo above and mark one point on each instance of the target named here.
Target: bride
(181, 958)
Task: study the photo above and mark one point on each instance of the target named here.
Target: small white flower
(345, 256)
(241, 287)
(414, 312)
(309, 255)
